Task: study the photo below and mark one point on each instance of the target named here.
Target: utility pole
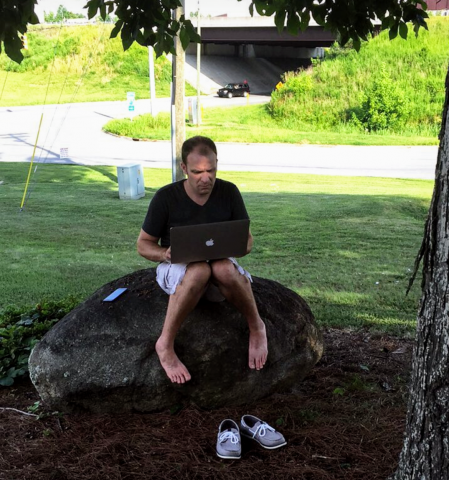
(198, 69)
(178, 111)
(152, 83)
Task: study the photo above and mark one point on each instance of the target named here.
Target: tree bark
(425, 453)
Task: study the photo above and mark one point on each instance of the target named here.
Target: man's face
(201, 172)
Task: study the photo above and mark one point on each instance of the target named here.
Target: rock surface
(101, 357)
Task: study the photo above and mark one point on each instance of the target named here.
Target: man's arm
(148, 246)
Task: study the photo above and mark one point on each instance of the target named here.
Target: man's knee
(198, 273)
(223, 271)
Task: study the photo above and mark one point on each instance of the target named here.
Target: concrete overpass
(259, 37)
(260, 31)
(234, 49)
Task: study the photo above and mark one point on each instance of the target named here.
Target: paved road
(78, 128)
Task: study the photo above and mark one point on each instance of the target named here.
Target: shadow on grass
(349, 256)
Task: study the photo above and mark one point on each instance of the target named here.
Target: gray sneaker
(261, 432)
(229, 444)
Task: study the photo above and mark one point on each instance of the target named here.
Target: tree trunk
(425, 453)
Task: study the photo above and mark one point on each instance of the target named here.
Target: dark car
(234, 90)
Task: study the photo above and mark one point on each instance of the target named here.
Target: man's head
(199, 163)
(204, 145)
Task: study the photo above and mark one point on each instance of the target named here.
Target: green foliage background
(328, 95)
(84, 64)
(61, 14)
(21, 329)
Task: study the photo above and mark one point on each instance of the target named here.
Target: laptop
(209, 241)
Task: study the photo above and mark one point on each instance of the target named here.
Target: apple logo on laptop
(210, 243)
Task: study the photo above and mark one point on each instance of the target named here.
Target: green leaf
(423, 4)
(403, 30)
(319, 13)
(25, 322)
(13, 372)
(184, 37)
(141, 40)
(305, 20)
(92, 8)
(279, 20)
(103, 11)
(191, 30)
(339, 391)
(158, 49)
(126, 36)
(13, 48)
(264, 8)
(34, 20)
(343, 38)
(293, 23)
(33, 408)
(279, 422)
(393, 33)
(116, 29)
(416, 29)
(6, 381)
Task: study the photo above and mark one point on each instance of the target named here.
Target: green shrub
(297, 84)
(139, 126)
(384, 106)
(298, 104)
(21, 330)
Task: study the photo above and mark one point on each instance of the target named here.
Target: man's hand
(167, 255)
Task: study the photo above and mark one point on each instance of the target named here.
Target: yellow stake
(31, 164)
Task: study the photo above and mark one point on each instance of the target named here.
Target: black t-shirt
(172, 207)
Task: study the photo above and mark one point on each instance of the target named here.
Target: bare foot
(258, 349)
(174, 368)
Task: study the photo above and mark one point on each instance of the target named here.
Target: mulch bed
(344, 421)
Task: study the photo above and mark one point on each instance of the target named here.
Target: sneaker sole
(261, 444)
(229, 457)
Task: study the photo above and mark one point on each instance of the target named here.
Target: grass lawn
(253, 124)
(74, 88)
(345, 244)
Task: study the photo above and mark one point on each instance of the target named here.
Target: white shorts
(170, 275)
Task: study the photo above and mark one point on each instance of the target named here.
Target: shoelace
(262, 429)
(228, 435)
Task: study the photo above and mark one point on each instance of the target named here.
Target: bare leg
(237, 290)
(180, 304)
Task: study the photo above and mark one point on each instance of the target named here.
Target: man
(201, 198)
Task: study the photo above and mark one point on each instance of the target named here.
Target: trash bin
(131, 184)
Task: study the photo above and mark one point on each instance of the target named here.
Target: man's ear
(184, 168)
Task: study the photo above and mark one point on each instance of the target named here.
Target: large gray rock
(101, 356)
